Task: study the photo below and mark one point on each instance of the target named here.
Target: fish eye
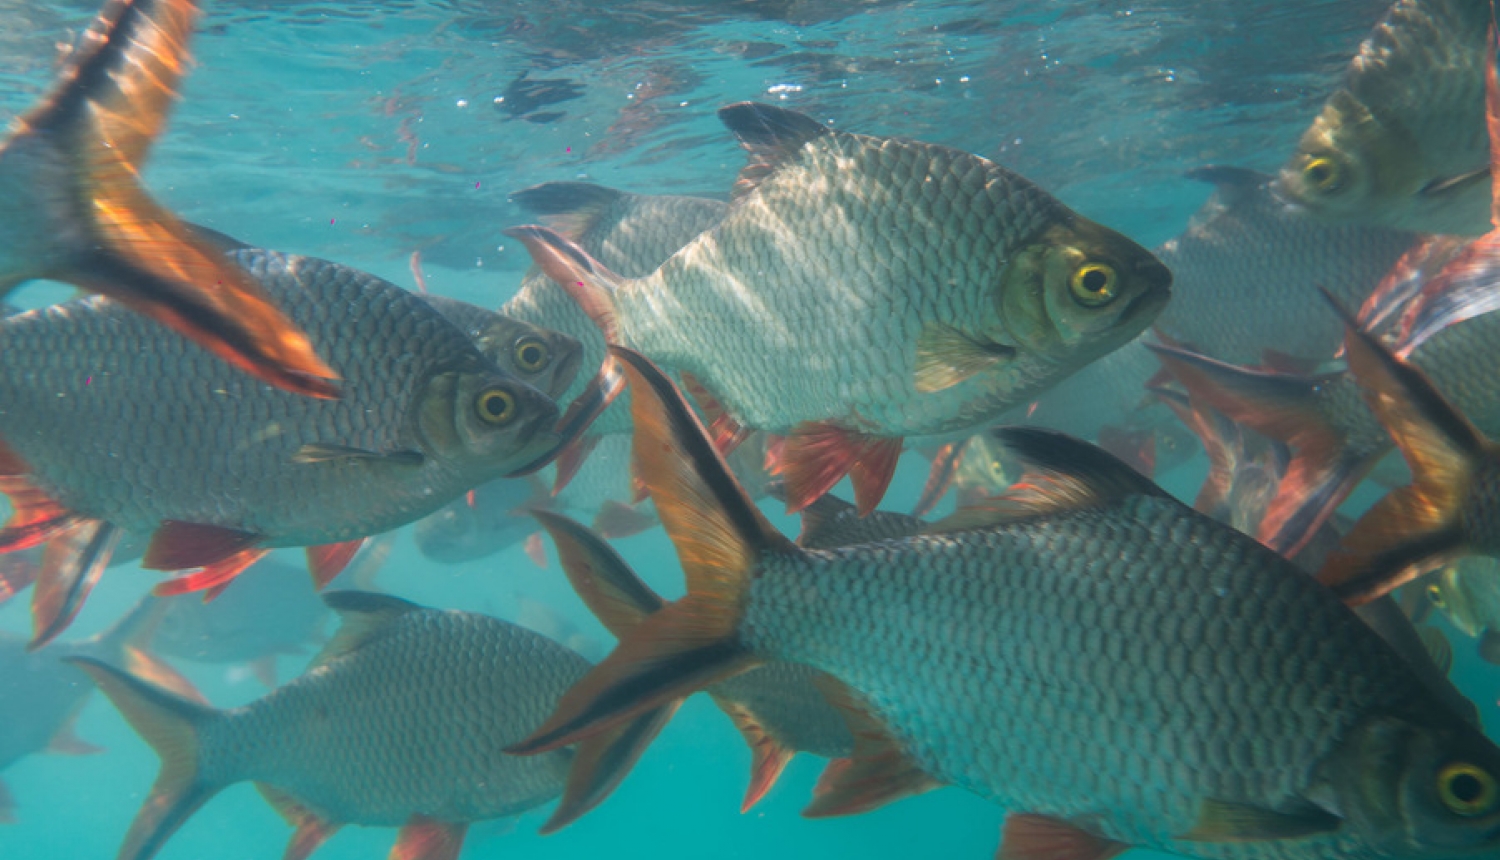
(1324, 174)
(1435, 596)
(1094, 285)
(1468, 789)
(496, 406)
(531, 354)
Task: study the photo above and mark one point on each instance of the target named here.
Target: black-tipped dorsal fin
(771, 136)
(1063, 474)
(362, 614)
(1232, 183)
(570, 208)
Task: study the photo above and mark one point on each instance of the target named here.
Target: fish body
(1115, 668)
(886, 288)
(273, 610)
(1468, 592)
(119, 422)
(480, 523)
(1402, 143)
(401, 722)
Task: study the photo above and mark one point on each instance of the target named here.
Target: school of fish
(1270, 672)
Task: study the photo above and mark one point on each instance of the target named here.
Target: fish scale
(125, 423)
(418, 690)
(1101, 665)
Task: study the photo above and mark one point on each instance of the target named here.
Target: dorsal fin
(1063, 473)
(362, 614)
(771, 136)
(1232, 183)
(570, 208)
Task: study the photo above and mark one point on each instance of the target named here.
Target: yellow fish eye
(531, 354)
(496, 406)
(1094, 285)
(1468, 789)
(1324, 174)
(1435, 595)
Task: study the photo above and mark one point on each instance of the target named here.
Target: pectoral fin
(317, 452)
(424, 838)
(1221, 821)
(947, 356)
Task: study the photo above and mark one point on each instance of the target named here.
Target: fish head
(1352, 166)
(1420, 786)
(480, 419)
(546, 360)
(1079, 291)
(1463, 590)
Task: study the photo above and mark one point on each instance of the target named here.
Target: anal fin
(328, 560)
(940, 477)
(423, 838)
(67, 742)
(726, 433)
(72, 564)
(878, 772)
(768, 756)
(1041, 837)
(311, 829)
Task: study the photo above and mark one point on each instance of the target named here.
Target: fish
(40, 695)
(219, 469)
(360, 738)
(486, 520)
(778, 708)
(1086, 644)
(75, 210)
(269, 612)
(1402, 142)
(803, 315)
(544, 359)
(1467, 590)
(1445, 512)
(632, 234)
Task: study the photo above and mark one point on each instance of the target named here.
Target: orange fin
(311, 829)
(618, 520)
(1040, 837)
(818, 454)
(72, 564)
(423, 838)
(1428, 256)
(67, 742)
(173, 727)
(586, 280)
(17, 572)
(535, 550)
(1416, 528)
(877, 773)
(35, 517)
(601, 578)
(178, 545)
(727, 434)
(772, 136)
(602, 762)
(264, 670)
(329, 560)
(719, 535)
(940, 476)
(99, 120)
(768, 756)
(214, 578)
(571, 459)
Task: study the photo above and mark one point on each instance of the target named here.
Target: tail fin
(81, 215)
(1290, 409)
(72, 564)
(173, 727)
(719, 535)
(1416, 528)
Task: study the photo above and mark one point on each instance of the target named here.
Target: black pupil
(496, 405)
(1094, 280)
(1320, 173)
(1466, 787)
(531, 354)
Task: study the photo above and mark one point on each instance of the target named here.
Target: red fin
(536, 550)
(35, 518)
(768, 756)
(602, 762)
(177, 545)
(1039, 837)
(818, 454)
(72, 564)
(570, 460)
(17, 572)
(329, 560)
(424, 838)
(264, 670)
(939, 477)
(877, 773)
(67, 742)
(727, 434)
(312, 831)
(214, 578)
(1137, 448)
(617, 520)
(1417, 266)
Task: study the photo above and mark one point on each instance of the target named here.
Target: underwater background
(365, 132)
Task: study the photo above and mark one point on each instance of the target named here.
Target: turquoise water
(367, 131)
